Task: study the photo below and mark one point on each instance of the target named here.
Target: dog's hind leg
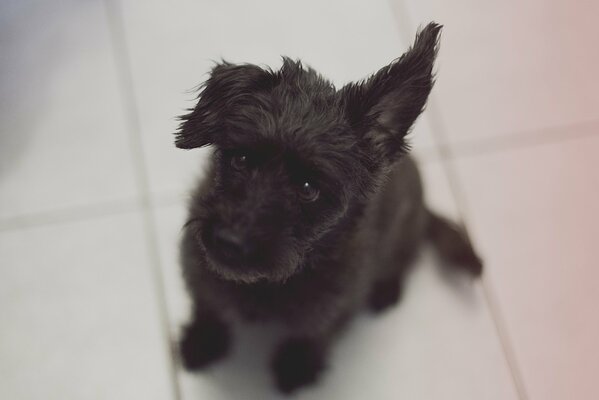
(397, 228)
(394, 254)
(385, 290)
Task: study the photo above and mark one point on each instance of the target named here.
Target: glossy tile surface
(78, 313)
(511, 67)
(535, 214)
(63, 141)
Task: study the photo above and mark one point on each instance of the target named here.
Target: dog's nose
(230, 245)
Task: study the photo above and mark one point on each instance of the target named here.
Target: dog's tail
(453, 244)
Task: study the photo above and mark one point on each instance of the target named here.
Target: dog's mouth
(236, 271)
(271, 260)
(230, 263)
(230, 266)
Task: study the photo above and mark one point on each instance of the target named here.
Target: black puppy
(311, 208)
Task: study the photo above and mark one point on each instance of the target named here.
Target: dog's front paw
(298, 362)
(204, 341)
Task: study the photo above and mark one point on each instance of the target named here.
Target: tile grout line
(524, 139)
(85, 212)
(123, 66)
(446, 155)
(451, 174)
(70, 214)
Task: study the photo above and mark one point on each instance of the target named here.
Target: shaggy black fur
(311, 208)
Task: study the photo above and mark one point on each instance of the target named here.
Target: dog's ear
(228, 84)
(384, 107)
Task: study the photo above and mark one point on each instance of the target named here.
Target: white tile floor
(92, 190)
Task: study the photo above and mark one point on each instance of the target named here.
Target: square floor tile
(511, 66)
(79, 314)
(173, 48)
(64, 141)
(535, 214)
(439, 342)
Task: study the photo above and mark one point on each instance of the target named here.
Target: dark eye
(308, 192)
(239, 161)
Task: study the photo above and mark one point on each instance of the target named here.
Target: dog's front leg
(205, 340)
(298, 361)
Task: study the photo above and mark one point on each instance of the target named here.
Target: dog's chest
(320, 294)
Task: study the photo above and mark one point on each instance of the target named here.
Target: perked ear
(228, 84)
(384, 107)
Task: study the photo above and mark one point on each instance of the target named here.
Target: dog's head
(293, 155)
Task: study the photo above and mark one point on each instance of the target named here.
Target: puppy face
(293, 156)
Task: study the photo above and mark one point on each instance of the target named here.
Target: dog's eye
(308, 192)
(239, 161)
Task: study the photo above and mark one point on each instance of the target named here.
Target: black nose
(229, 245)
